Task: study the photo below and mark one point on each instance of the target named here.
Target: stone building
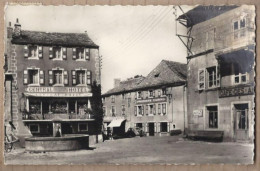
(155, 103)
(220, 70)
(51, 86)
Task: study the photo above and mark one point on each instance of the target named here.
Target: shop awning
(116, 123)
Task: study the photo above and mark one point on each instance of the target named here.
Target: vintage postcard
(129, 84)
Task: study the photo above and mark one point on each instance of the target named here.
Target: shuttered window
(81, 77)
(57, 77)
(201, 79)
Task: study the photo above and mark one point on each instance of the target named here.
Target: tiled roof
(166, 73)
(50, 39)
(125, 86)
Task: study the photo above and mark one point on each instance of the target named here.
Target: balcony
(51, 116)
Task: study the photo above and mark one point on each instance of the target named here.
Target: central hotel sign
(58, 91)
(153, 100)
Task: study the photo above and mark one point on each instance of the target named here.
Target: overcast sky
(132, 39)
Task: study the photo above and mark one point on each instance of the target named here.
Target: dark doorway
(151, 129)
(66, 128)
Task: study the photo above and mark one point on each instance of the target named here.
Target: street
(167, 149)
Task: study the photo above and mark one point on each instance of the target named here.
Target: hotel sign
(58, 91)
(236, 91)
(153, 100)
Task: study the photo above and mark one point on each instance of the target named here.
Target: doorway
(241, 121)
(151, 129)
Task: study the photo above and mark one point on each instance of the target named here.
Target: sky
(133, 40)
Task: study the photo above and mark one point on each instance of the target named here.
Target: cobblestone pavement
(168, 149)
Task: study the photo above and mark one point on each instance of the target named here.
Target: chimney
(117, 82)
(17, 28)
(9, 31)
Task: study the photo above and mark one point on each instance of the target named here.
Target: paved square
(168, 149)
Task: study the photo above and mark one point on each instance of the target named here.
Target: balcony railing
(49, 116)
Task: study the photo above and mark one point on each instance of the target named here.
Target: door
(241, 121)
(151, 129)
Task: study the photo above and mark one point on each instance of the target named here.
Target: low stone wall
(67, 143)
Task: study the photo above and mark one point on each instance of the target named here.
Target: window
(34, 107)
(151, 109)
(57, 77)
(238, 27)
(139, 95)
(140, 110)
(33, 76)
(80, 53)
(123, 109)
(159, 93)
(240, 78)
(159, 109)
(164, 91)
(81, 77)
(113, 98)
(201, 79)
(213, 116)
(139, 125)
(213, 77)
(57, 53)
(151, 93)
(113, 110)
(59, 106)
(104, 111)
(33, 51)
(164, 108)
(34, 128)
(123, 96)
(82, 127)
(164, 127)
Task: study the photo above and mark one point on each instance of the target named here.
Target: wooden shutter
(64, 53)
(142, 109)
(74, 53)
(73, 77)
(159, 126)
(147, 111)
(89, 77)
(25, 77)
(40, 52)
(66, 77)
(168, 127)
(159, 108)
(154, 109)
(50, 77)
(135, 110)
(201, 79)
(26, 51)
(155, 127)
(50, 52)
(147, 127)
(41, 77)
(87, 54)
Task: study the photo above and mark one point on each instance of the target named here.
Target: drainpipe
(184, 106)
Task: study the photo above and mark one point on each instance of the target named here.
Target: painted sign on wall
(236, 91)
(198, 112)
(153, 100)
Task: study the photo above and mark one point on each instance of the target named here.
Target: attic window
(157, 75)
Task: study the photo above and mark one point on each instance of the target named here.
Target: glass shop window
(82, 127)
(34, 128)
(59, 107)
(34, 107)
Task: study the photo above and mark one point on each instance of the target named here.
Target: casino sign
(236, 91)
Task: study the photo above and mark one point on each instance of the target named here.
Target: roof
(203, 13)
(125, 86)
(59, 39)
(166, 73)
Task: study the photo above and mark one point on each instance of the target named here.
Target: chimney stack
(17, 28)
(9, 31)
(117, 82)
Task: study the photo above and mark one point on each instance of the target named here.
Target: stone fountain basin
(65, 143)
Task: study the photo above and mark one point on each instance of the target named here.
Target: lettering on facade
(198, 113)
(57, 89)
(153, 100)
(236, 91)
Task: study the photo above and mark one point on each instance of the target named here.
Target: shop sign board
(198, 113)
(152, 100)
(236, 91)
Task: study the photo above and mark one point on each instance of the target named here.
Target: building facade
(52, 78)
(155, 103)
(220, 70)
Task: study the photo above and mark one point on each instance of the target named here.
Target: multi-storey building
(52, 77)
(220, 75)
(155, 103)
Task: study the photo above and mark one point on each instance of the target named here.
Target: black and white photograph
(123, 85)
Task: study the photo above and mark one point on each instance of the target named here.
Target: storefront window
(34, 107)
(34, 128)
(82, 127)
(59, 107)
(82, 107)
